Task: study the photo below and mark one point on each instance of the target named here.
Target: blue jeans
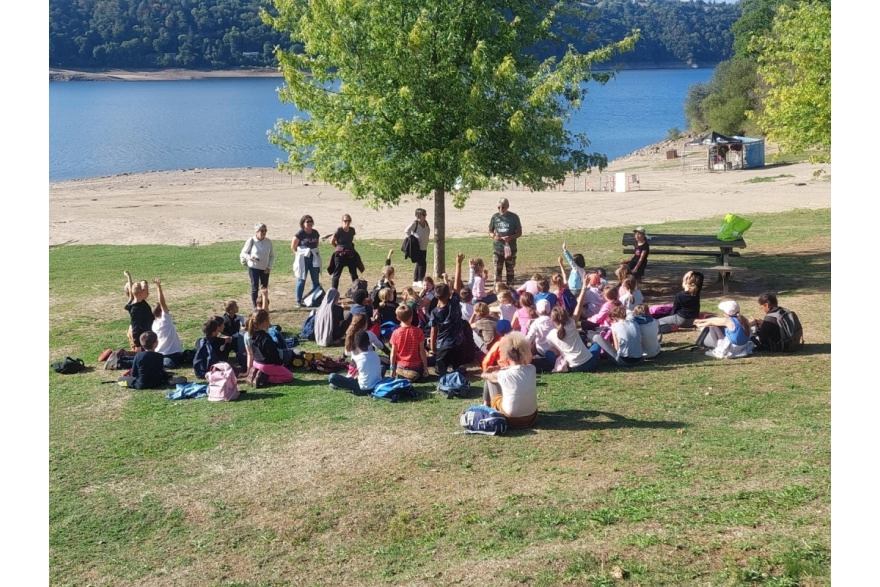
(315, 272)
(589, 365)
(348, 383)
(258, 278)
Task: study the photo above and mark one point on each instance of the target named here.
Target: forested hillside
(230, 33)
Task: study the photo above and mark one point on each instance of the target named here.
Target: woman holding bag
(308, 258)
(420, 229)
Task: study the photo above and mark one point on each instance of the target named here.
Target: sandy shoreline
(203, 206)
(126, 75)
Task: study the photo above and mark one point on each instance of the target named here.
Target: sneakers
(178, 379)
(418, 284)
(112, 362)
(334, 387)
(122, 383)
(299, 304)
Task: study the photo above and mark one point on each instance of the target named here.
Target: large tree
(411, 97)
(794, 69)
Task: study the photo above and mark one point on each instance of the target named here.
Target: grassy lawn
(681, 471)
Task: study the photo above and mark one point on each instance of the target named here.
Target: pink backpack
(222, 385)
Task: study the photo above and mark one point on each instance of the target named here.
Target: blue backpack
(568, 301)
(387, 329)
(394, 390)
(453, 384)
(308, 329)
(483, 420)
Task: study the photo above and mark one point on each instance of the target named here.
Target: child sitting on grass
(147, 371)
(138, 309)
(484, 326)
(409, 359)
(212, 348)
(233, 324)
(369, 369)
(268, 366)
(168, 345)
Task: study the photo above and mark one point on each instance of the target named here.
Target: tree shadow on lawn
(595, 420)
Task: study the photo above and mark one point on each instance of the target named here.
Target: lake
(107, 128)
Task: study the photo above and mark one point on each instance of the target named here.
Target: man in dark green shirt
(504, 228)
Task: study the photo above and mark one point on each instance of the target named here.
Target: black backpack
(356, 285)
(790, 330)
(69, 366)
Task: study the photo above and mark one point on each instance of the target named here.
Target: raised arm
(456, 283)
(579, 307)
(130, 293)
(388, 258)
(162, 303)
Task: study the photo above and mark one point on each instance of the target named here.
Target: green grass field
(681, 471)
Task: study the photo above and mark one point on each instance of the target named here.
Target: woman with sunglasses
(259, 256)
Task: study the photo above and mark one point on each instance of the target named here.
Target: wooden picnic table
(698, 245)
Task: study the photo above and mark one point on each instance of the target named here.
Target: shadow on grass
(593, 420)
(257, 395)
(807, 272)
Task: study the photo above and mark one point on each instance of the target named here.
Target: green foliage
(721, 104)
(765, 179)
(794, 66)
(228, 33)
(421, 97)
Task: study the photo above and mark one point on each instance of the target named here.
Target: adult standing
(259, 256)
(344, 254)
(308, 258)
(504, 228)
(420, 229)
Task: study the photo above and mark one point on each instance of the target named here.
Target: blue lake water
(106, 128)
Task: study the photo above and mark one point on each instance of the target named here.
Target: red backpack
(222, 384)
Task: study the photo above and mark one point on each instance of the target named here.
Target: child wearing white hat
(728, 335)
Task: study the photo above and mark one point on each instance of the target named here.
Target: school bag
(222, 385)
(387, 329)
(394, 390)
(790, 330)
(483, 420)
(314, 298)
(308, 328)
(568, 300)
(69, 366)
(453, 384)
(356, 285)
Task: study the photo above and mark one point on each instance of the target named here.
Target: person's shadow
(594, 420)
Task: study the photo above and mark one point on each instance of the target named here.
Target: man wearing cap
(504, 228)
(640, 256)
(259, 256)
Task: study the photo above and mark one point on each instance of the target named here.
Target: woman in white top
(259, 256)
(566, 342)
(512, 387)
(422, 231)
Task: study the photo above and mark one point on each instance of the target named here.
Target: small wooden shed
(718, 152)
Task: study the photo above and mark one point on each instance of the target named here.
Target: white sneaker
(418, 284)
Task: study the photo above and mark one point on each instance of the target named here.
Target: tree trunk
(439, 232)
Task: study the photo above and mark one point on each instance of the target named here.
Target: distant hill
(222, 34)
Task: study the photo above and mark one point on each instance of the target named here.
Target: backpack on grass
(394, 390)
(69, 366)
(308, 328)
(790, 330)
(356, 285)
(453, 384)
(222, 385)
(314, 298)
(483, 420)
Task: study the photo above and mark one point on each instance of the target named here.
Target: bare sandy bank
(120, 75)
(210, 205)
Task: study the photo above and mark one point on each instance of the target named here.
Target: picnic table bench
(693, 245)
